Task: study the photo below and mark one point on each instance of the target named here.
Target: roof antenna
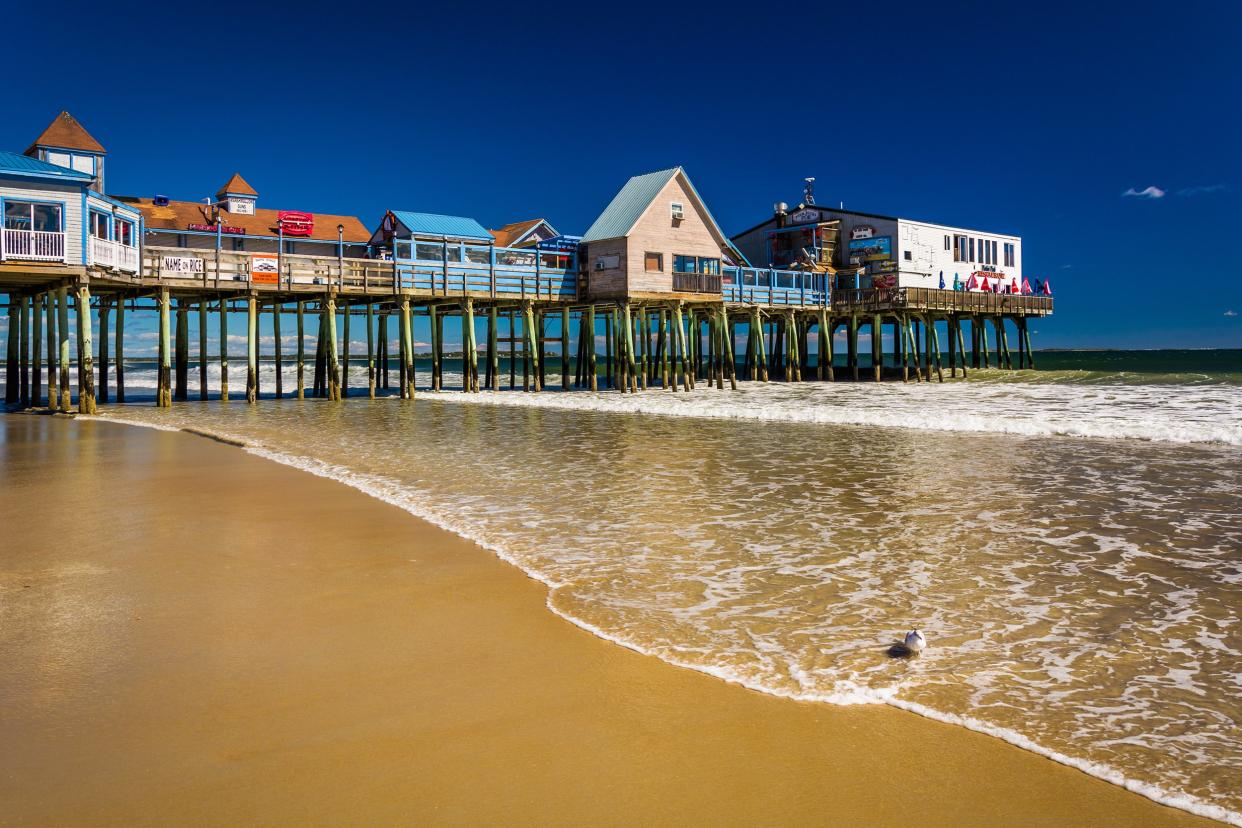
(809, 190)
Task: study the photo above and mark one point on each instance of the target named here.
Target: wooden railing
(956, 301)
(32, 245)
(766, 286)
(696, 283)
(107, 253)
(224, 268)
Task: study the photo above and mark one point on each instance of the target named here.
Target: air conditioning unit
(677, 211)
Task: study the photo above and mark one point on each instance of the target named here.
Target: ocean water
(1069, 539)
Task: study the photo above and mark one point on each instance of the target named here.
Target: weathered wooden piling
(333, 357)
(36, 341)
(252, 348)
(24, 347)
(371, 350)
(493, 348)
(181, 355)
(345, 337)
(300, 314)
(277, 355)
(86, 370)
(12, 370)
(407, 348)
(53, 352)
(62, 332)
(101, 387)
(224, 350)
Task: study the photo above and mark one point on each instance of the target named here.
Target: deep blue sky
(1031, 120)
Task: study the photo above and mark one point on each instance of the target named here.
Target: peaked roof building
(521, 233)
(64, 132)
(236, 186)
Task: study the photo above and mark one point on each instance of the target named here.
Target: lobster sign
(295, 223)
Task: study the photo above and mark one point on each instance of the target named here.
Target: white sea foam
(806, 686)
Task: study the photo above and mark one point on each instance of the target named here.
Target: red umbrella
(985, 286)
(973, 284)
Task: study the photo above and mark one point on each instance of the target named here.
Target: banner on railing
(265, 268)
(181, 264)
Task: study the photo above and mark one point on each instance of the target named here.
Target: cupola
(237, 197)
(66, 143)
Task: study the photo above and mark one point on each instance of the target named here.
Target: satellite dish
(160, 201)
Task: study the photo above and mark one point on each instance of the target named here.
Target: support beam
(163, 379)
(86, 370)
(493, 348)
(12, 370)
(24, 348)
(53, 352)
(36, 340)
(252, 349)
(278, 350)
(371, 350)
(565, 348)
(101, 387)
(877, 347)
(182, 354)
(301, 354)
(345, 337)
(407, 346)
(224, 349)
(332, 356)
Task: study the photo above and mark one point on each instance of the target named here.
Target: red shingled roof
(65, 131)
(178, 215)
(510, 233)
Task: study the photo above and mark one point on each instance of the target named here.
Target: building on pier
(55, 218)
(528, 233)
(866, 250)
(657, 240)
(234, 222)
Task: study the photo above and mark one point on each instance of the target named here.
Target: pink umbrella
(1026, 287)
(973, 284)
(1048, 287)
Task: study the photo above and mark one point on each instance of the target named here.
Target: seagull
(915, 642)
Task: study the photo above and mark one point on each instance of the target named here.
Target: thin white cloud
(1146, 192)
(1202, 189)
(1231, 313)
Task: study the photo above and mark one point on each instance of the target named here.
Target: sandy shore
(192, 635)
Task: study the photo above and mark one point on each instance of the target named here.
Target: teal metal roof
(628, 205)
(430, 224)
(13, 164)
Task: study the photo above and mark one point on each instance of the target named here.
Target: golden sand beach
(190, 634)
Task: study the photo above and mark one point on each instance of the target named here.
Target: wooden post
(202, 349)
(277, 346)
(983, 340)
(407, 344)
(877, 347)
(101, 389)
(493, 347)
(934, 336)
(401, 369)
(682, 351)
(961, 346)
(53, 391)
(608, 344)
(181, 355)
(334, 366)
(912, 351)
(631, 365)
(24, 369)
(532, 344)
(12, 369)
(950, 329)
(436, 366)
(62, 326)
(36, 339)
(224, 349)
(644, 345)
(301, 357)
(727, 345)
(470, 365)
(592, 367)
(1002, 344)
(383, 349)
(1026, 337)
(163, 379)
(853, 345)
(252, 348)
(663, 346)
(371, 350)
(565, 348)
(86, 371)
(345, 337)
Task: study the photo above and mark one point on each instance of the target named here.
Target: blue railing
(767, 286)
(457, 268)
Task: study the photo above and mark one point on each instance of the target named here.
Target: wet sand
(190, 634)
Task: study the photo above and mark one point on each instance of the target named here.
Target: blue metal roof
(13, 164)
(621, 214)
(430, 224)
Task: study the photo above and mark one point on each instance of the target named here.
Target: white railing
(127, 258)
(35, 245)
(105, 253)
(102, 253)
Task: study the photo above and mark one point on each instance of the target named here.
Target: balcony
(696, 283)
(110, 254)
(32, 245)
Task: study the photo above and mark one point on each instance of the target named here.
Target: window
(101, 225)
(909, 256)
(31, 215)
(84, 163)
(959, 248)
(1009, 254)
(60, 159)
(239, 244)
(125, 232)
(677, 211)
(993, 252)
(971, 248)
(654, 262)
(696, 264)
(946, 243)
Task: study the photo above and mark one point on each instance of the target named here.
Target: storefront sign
(862, 231)
(211, 228)
(181, 264)
(559, 245)
(296, 224)
(265, 268)
(871, 250)
(805, 216)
